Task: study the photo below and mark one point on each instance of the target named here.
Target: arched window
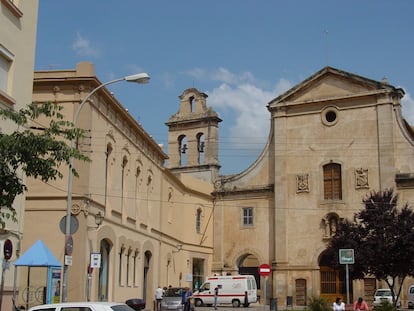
(135, 265)
(103, 289)
(121, 264)
(147, 264)
(183, 149)
(138, 195)
(127, 272)
(123, 179)
(200, 148)
(108, 153)
(198, 221)
(332, 183)
(191, 102)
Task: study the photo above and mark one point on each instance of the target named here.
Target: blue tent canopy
(38, 255)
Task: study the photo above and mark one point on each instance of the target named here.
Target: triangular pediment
(330, 83)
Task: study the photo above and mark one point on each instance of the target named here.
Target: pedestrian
(338, 305)
(360, 305)
(183, 293)
(187, 299)
(216, 293)
(159, 292)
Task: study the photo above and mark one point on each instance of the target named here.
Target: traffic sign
(7, 249)
(68, 260)
(346, 256)
(265, 269)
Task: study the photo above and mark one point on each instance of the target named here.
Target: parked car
(136, 303)
(382, 295)
(410, 297)
(172, 299)
(83, 306)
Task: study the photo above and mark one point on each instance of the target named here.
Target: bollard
(273, 304)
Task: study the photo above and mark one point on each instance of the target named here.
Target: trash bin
(136, 303)
(273, 304)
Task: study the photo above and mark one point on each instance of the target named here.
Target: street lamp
(137, 78)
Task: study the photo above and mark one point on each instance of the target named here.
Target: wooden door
(300, 285)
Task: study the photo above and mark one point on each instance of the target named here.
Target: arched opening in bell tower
(200, 148)
(183, 149)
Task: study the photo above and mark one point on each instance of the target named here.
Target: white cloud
(224, 75)
(197, 73)
(408, 108)
(83, 47)
(221, 75)
(247, 103)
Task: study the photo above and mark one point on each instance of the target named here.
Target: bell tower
(193, 137)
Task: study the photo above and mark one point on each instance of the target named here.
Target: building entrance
(333, 279)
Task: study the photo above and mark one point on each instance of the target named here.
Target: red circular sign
(265, 269)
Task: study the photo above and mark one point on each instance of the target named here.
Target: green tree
(38, 151)
(382, 236)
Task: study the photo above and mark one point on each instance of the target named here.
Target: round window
(330, 116)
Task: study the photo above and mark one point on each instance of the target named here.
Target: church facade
(334, 138)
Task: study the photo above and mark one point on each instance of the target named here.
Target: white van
(233, 289)
(410, 297)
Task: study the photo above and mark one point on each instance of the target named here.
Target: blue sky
(242, 53)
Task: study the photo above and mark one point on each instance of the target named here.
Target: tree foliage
(37, 151)
(382, 236)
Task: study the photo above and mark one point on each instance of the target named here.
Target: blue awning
(38, 255)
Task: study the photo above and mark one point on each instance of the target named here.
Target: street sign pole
(265, 270)
(347, 284)
(346, 257)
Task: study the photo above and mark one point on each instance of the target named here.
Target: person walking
(338, 305)
(216, 293)
(187, 299)
(159, 292)
(183, 293)
(360, 305)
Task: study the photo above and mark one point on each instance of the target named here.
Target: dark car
(136, 303)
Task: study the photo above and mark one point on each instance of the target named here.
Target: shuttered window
(328, 282)
(247, 216)
(332, 182)
(5, 64)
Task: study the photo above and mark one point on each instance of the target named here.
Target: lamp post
(137, 78)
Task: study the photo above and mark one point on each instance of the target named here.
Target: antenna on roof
(326, 47)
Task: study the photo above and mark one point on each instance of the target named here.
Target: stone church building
(333, 138)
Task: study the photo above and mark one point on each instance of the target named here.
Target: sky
(241, 53)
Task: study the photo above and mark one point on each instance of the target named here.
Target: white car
(83, 306)
(383, 295)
